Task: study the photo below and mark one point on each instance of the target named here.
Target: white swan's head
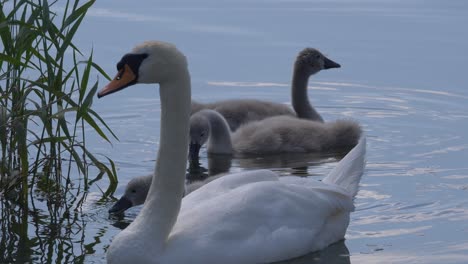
(135, 194)
(149, 62)
(199, 134)
(311, 61)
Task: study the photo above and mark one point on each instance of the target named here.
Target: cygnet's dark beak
(330, 64)
(120, 206)
(194, 153)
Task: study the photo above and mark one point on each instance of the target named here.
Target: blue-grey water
(403, 77)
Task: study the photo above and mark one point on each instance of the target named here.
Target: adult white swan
(242, 111)
(249, 217)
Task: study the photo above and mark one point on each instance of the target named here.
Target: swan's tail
(349, 170)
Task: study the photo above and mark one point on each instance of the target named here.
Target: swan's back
(242, 111)
(260, 222)
(258, 217)
(284, 134)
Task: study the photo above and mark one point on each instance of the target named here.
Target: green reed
(46, 97)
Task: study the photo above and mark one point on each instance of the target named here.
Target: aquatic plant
(46, 94)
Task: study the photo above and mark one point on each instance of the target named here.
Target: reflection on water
(44, 233)
(217, 164)
(299, 164)
(336, 253)
(14, 236)
(120, 221)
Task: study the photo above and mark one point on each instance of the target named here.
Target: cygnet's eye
(133, 191)
(202, 134)
(317, 56)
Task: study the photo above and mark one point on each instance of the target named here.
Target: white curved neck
(220, 137)
(162, 205)
(300, 99)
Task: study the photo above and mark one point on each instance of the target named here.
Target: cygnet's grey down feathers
(137, 189)
(274, 135)
(282, 134)
(242, 111)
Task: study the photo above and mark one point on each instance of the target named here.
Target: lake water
(403, 77)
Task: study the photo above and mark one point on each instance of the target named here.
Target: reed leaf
(11, 60)
(35, 112)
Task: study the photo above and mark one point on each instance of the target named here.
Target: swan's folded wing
(260, 222)
(225, 184)
(312, 183)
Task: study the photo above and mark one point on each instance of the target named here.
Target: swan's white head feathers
(164, 61)
(149, 62)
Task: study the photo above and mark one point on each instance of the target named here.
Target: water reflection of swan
(300, 161)
(241, 111)
(336, 253)
(217, 164)
(247, 217)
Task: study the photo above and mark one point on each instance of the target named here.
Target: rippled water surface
(403, 77)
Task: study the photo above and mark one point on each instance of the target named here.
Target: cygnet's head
(199, 134)
(312, 61)
(150, 62)
(135, 194)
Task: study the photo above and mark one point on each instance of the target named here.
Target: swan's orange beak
(124, 78)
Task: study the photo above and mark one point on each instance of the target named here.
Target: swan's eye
(202, 134)
(133, 191)
(118, 77)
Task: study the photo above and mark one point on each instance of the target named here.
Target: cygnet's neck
(162, 205)
(219, 141)
(300, 99)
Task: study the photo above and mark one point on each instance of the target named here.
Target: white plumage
(258, 217)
